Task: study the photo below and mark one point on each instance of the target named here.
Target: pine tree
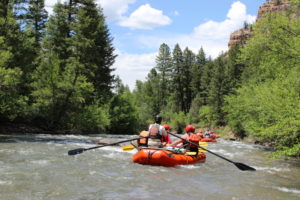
(218, 89)
(36, 18)
(12, 102)
(188, 62)
(57, 34)
(60, 88)
(123, 118)
(93, 45)
(197, 72)
(235, 69)
(205, 81)
(164, 66)
(177, 81)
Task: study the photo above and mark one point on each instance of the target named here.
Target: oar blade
(202, 150)
(203, 144)
(76, 151)
(244, 167)
(127, 147)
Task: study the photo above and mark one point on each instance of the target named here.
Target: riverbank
(22, 128)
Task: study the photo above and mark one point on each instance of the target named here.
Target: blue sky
(139, 27)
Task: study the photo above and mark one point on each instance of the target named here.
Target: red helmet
(166, 126)
(190, 128)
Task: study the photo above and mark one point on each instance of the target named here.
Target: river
(38, 167)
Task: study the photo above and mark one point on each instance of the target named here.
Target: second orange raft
(208, 140)
(162, 157)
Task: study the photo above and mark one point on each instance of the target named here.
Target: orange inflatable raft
(162, 157)
(208, 140)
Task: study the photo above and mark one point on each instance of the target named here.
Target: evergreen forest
(56, 73)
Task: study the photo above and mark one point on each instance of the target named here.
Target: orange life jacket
(194, 139)
(143, 141)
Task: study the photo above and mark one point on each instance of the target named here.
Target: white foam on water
(41, 162)
(5, 182)
(112, 148)
(83, 145)
(92, 172)
(190, 166)
(63, 136)
(272, 170)
(238, 144)
(231, 154)
(26, 151)
(111, 155)
(290, 190)
(7, 150)
(134, 151)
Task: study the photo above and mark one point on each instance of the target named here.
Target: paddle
(241, 166)
(203, 144)
(128, 147)
(80, 150)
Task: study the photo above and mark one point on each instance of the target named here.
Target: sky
(139, 27)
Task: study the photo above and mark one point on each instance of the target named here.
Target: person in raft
(200, 134)
(190, 136)
(166, 140)
(156, 135)
(212, 135)
(207, 133)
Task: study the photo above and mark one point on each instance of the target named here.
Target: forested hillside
(56, 74)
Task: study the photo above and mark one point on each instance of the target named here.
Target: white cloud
(112, 9)
(132, 67)
(115, 9)
(176, 13)
(145, 17)
(213, 36)
(49, 5)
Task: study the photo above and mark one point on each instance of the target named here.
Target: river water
(38, 167)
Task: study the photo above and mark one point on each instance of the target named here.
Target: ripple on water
(40, 162)
(272, 170)
(289, 190)
(5, 182)
(42, 169)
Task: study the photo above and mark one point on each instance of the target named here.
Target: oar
(203, 144)
(80, 150)
(128, 147)
(241, 166)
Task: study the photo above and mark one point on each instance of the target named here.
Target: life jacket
(143, 141)
(194, 139)
(154, 132)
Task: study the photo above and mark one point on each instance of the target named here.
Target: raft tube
(208, 140)
(162, 157)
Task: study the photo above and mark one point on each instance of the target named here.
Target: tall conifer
(177, 80)
(164, 66)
